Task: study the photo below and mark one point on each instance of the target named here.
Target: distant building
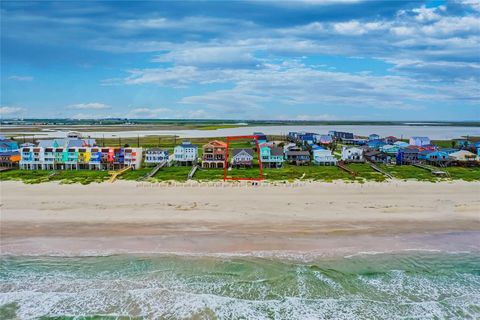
(377, 156)
(376, 144)
(352, 154)
(373, 136)
(463, 156)
(390, 149)
(419, 141)
(341, 135)
(401, 144)
(324, 139)
(407, 156)
(262, 138)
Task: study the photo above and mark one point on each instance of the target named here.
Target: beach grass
(288, 173)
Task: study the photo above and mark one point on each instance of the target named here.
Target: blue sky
(308, 59)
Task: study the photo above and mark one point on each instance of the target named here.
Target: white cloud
(11, 111)
(82, 116)
(21, 78)
(211, 56)
(89, 106)
(140, 113)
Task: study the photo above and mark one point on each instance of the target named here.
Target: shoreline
(311, 218)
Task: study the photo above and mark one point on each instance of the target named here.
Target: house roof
(462, 153)
(75, 143)
(410, 150)
(216, 144)
(425, 152)
(371, 153)
(237, 151)
(156, 150)
(298, 153)
(10, 153)
(276, 151)
(187, 144)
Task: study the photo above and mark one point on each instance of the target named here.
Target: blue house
(376, 144)
(423, 154)
(436, 156)
(373, 136)
(7, 145)
(262, 138)
(407, 156)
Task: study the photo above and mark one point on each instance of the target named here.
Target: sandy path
(127, 217)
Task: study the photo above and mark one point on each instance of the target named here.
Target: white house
(352, 154)
(324, 157)
(463, 155)
(156, 155)
(419, 141)
(185, 154)
(242, 158)
(133, 157)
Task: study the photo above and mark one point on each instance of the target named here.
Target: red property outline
(225, 164)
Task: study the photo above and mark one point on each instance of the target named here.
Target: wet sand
(326, 218)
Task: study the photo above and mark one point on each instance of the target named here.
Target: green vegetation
(289, 173)
(38, 176)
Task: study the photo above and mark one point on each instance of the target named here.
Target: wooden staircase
(378, 169)
(433, 170)
(155, 170)
(192, 172)
(341, 165)
(115, 174)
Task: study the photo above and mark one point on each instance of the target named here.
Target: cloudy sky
(310, 59)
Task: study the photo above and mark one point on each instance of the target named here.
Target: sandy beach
(127, 217)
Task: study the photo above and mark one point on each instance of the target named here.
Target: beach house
(9, 159)
(401, 144)
(297, 157)
(339, 135)
(7, 145)
(242, 158)
(407, 156)
(185, 154)
(436, 157)
(376, 144)
(132, 157)
(214, 154)
(262, 138)
(352, 154)
(419, 141)
(373, 136)
(390, 149)
(324, 139)
(271, 156)
(323, 157)
(463, 156)
(95, 162)
(377, 156)
(156, 156)
(84, 158)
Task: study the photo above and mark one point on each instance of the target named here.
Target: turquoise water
(381, 286)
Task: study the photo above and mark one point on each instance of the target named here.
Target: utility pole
(138, 140)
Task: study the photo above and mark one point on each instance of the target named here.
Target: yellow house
(84, 156)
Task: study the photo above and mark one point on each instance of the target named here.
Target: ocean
(407, 285)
